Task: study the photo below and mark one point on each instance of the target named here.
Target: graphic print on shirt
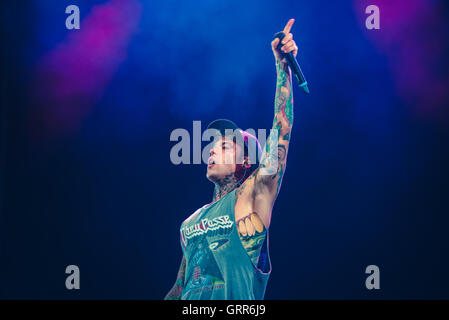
(204, 276)
(205, 237)
(211, 227)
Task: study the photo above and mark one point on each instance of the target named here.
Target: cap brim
(222, 125)
(227, 128)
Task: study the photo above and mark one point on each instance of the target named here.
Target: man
(225, 243)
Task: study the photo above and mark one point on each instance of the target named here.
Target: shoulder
(193, 215)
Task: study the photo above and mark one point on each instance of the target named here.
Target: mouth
(210, 163)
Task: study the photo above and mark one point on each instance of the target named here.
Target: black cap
(224, 126)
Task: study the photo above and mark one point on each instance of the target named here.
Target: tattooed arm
(260, 190)
(176, 291)
(274, 157)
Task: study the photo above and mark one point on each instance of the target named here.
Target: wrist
(282, 65)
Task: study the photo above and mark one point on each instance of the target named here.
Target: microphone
(291, 60)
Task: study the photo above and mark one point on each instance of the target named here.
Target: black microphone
(292, 63)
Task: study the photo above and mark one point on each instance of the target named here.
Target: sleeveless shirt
(218, 266)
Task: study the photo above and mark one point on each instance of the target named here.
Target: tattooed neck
(224, 186)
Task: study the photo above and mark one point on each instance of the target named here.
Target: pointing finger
(288, 26)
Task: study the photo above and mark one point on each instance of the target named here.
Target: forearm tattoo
(276, 146)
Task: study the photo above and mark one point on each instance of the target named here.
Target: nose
(211, 152)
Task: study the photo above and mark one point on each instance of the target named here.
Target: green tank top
(218, 266)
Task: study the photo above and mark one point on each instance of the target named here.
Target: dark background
(86, 117)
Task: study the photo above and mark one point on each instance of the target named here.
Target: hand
(288, 43)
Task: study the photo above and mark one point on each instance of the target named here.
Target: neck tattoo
(224, 186)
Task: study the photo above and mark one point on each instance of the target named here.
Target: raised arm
(176, 290)
(274, 157)
(260, 190)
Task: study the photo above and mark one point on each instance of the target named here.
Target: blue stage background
(86, 116)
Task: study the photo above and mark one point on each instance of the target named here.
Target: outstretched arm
(274, 157)
(176, 290)
(262, 187)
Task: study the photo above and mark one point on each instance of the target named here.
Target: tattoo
(269, 162)
(284, 93)
(282, 151)
(176, 290)
(252, 233)
(240, 190)
(224, 186)
(277, 143)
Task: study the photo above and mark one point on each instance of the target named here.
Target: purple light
(77, 71)
(412, 35)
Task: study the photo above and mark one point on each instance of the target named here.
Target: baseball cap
(229, 128)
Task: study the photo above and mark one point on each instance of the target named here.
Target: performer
(225, 243)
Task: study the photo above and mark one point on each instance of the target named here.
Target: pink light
(75, 74)
(412, 34)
